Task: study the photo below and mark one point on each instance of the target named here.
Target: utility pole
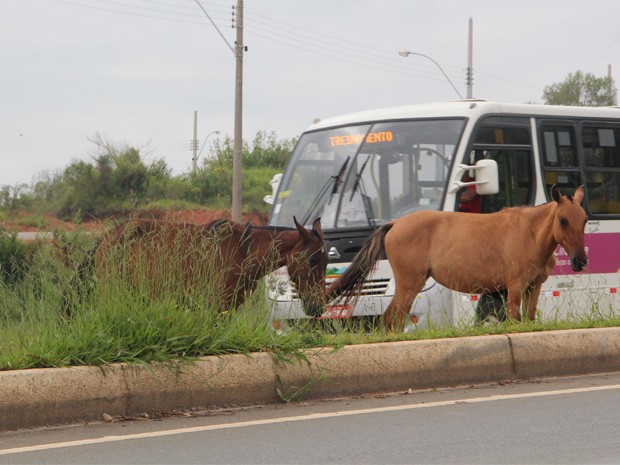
(237, 188)
(195, 142)
(238, 132)
(470, 60)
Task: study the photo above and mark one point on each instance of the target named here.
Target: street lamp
(406, 53)
(195, 159)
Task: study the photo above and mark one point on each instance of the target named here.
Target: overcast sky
(134, 71)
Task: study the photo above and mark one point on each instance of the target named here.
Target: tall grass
(118, 315)
(156, 305)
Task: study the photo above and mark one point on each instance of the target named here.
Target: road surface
(568, 420)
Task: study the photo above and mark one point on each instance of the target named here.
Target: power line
(380, 50)
(130, 13)
(288, 34)
(365, 47)
(190, 5)
(349, 52)
(340, 58)
(532, 86)
(606, 52)
(366, 52)
(215, 26)
(377, 60)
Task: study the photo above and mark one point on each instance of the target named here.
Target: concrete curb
(45, 397)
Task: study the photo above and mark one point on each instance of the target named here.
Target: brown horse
(512, 249)
(229, 257)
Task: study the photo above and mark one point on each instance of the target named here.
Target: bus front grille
(371, 287)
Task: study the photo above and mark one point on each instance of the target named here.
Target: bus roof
(464, 108)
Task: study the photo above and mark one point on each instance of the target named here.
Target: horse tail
(350, 282)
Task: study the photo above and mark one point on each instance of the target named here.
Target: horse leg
(531, 299)
(514, 303)
(398, 309)
(533, 290)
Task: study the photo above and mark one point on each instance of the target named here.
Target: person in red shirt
(469, 201)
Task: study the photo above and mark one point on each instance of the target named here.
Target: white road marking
(312, 416)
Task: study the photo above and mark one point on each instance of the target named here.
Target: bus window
(559, 157)
(601, 148)
(515, 180)
(603, 192)
(558, 146)
(515, 135)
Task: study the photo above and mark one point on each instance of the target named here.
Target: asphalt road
(31, 236)
(564, 420)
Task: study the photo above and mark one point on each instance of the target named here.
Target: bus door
(507, 140)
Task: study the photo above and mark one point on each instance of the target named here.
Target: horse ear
(302, 231)
(555, 193)
(316, 227)
(578, 196)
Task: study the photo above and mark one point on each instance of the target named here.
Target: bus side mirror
(487, 177)
(275, 184)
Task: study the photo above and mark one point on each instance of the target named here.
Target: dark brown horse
(512, 249)
(229, 257)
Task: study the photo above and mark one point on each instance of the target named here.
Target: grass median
(115, 319)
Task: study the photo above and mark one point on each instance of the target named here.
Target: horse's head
(569, 224)
(306, 264)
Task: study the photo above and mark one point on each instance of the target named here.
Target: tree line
(120, 179)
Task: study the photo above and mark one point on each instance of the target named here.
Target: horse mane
(216, 225)
(512, 211)
(273, 228)
(251, 227)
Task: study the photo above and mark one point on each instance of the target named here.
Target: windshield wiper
(366, 202)
(332, 182)
(358, 177)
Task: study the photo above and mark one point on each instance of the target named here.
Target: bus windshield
(368, 174)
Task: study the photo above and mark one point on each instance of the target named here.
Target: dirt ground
(186, 216)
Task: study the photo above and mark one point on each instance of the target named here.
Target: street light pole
(406, 53)
(195, 159)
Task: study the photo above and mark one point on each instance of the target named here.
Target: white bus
(361, 170)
